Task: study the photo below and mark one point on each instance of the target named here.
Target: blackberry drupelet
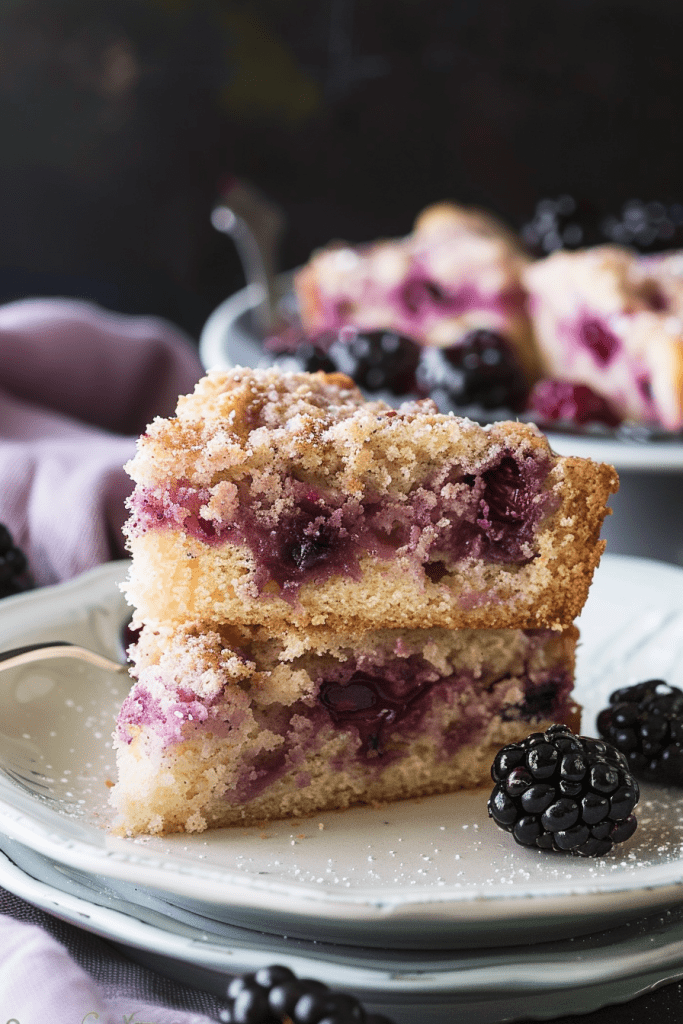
(645, 722)
(274, 994)
(481, 371)
(14, 574)
(558, 791)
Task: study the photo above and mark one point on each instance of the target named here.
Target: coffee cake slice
(228, 725)
(609, 319)
(282, 499)
(458, 271)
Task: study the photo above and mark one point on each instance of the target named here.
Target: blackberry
(274, 994)
(481, 370)
(376, 360)
(645, 722)
(562, 223)
(558, 791)
(14, 574)
(307, 357)
(646, 226)
(567, 222)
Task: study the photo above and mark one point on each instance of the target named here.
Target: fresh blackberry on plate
(646, 226)
(308, 357)
(645, 722)
(274, 994)
(14, 574)
(481, 370)
(376, 360)
(558, 791)
(564, 222)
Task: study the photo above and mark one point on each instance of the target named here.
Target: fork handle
(55, 649)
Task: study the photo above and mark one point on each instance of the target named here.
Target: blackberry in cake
(233, 725)
(289, 500)
(458, 271)
(613, 321)
(557, 401)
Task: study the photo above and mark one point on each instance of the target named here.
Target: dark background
(122, 121)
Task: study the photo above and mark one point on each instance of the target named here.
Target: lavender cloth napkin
(54, 973)
(77, 385)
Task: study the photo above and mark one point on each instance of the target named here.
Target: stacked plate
(423, 904)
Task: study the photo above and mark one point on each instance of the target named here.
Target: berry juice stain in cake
(492, 514)
(312, 543)
(595, 336)
(419, 294)
(552, 400)
(547, 697)
(422, 299)
(370, 705)
(507, 505)
(398, 696)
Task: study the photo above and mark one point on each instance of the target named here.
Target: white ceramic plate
(229, 338)
(571, 976)
(424, 873)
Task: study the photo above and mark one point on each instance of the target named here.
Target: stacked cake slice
(340, 601)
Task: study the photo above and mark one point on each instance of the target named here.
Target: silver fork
(56, 649)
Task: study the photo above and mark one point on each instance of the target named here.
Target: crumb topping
(246, 421)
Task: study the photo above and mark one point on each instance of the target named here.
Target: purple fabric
(78, 384)
(52, 971)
